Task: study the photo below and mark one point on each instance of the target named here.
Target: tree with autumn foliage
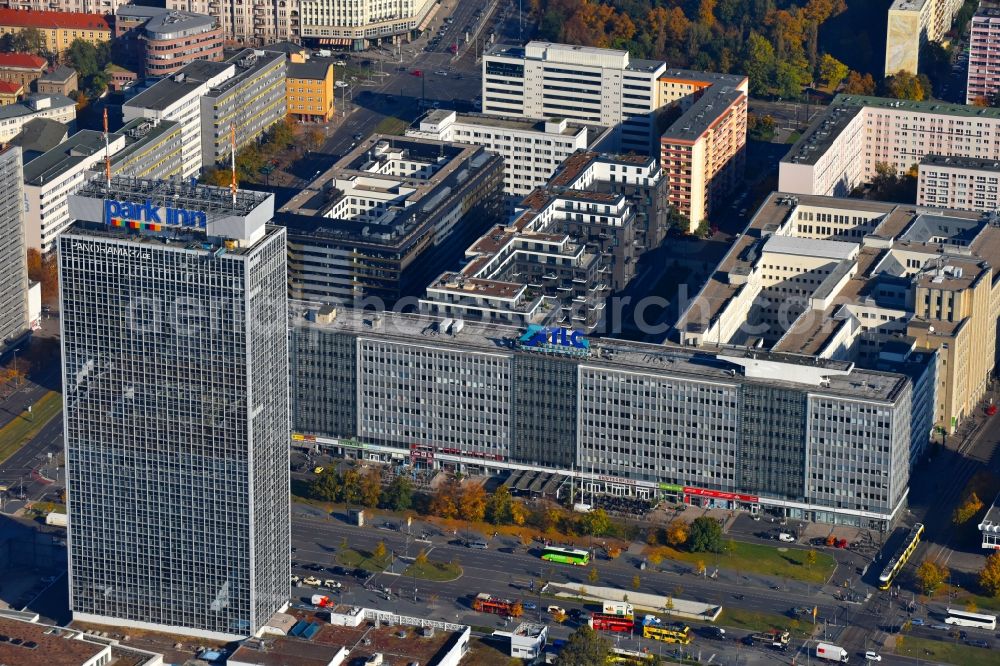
(857, 84)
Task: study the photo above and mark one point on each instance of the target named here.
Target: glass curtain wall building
(175, 368)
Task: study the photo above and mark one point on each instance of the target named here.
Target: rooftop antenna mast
(107, 150)
(232, 161)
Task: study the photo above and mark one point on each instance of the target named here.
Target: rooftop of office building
(86, 143)
(569, 127)
(957, 248)
(247, 62)
(314, 641)
(584, 56)
(960, 162)
(35, 103)
(576, 165)
(413, 200)
(825, 130)
(176, 23)
(314, 69)
(703, 78)
(723, 364)
(907, 5)
(167, 92)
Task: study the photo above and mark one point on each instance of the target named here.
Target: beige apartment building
(911, 23)
(840, 149)
(879, 284)
(703, 152)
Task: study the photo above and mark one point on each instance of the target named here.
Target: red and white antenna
(232, 161)
(107, 150)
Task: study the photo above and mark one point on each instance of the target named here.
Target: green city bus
(566, 555)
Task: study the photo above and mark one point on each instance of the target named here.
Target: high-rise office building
(175, 367)
(13, 260)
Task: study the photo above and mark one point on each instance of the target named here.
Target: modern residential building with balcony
(567, 248)
(983, 78)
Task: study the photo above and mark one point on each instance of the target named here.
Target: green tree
(281, 135)
(593, 575)
(327, 487)
(930, 575)
(989, 576)
(759, 64)
(831, 70)
(500, 507)
(398, 495)
(380, 550)
(706, 535)
(585, 647)
(28, 40)
(789, 79)
(352, 487)
(594, 522)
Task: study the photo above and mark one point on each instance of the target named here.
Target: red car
(417, 72)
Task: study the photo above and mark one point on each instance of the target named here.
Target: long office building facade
(13, 257)
(175, 371)
(783, 434)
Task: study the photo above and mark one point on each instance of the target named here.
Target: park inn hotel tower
(175, 375)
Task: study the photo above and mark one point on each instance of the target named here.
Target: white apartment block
(252, 23)
(178, 98)
(841, 148)
(532, 150)
(983, 78)
(54, 107)
(911, 23)
(960, 183)
(580, 83)
(359, 23)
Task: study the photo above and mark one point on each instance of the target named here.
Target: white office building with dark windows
(175, 375)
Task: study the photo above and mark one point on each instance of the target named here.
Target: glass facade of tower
(176, 415)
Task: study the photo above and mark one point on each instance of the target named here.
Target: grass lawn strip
(349, 557)
(947, 652)
(759, 559)
(440, 572)
(750, 620)
(15, 434)
(391, 125)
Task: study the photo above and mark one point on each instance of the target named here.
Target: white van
(786, 537)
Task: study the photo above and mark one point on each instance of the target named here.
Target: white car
(296, 580)
(872, 655)
(312, 580)
(331, 584)
(553, 610)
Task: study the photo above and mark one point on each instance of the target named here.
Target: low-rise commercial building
(388, 217)
(568, 247)
(13, 117)
(60, 81)
(141, 148)
(532, 149)
(58, 28)
(251, 23)
(841, 148)
(722, 428)
(911, 24)
(960, 183)
(703, 152)
(39, 136)
(866, 282)
(22, 68)
(309, 90)
(580, 83)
